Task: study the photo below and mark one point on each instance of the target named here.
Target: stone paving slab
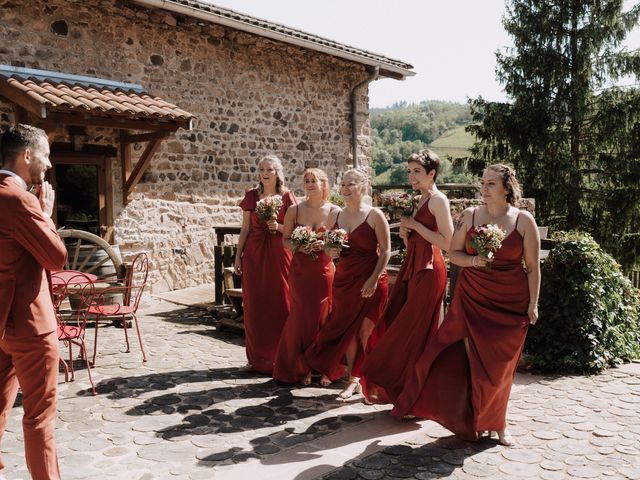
(193, 412)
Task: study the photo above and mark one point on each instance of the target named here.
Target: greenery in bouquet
(304, 236)
(398, 204)
(487, 239)
(267, 209)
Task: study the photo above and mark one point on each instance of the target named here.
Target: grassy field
(455, 143)
(382, 179)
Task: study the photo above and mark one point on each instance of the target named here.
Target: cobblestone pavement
(192, 412)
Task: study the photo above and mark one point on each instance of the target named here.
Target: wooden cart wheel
(89, 253)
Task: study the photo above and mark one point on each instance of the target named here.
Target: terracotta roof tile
(57, 95)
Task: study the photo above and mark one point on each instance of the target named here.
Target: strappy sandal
(353, 388)
(325, 381)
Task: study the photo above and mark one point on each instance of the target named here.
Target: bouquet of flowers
(304, 236)
(267, 209)
(336, 238)
(398, 204)
(486, 240)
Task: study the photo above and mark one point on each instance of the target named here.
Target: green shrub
(589, 311)
(336, 199)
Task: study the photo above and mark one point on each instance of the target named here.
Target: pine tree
(572, 135)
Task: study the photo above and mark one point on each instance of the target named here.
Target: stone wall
(251, 96)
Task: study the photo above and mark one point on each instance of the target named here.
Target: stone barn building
(158, 111)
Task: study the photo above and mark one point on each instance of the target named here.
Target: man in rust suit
(29, 249)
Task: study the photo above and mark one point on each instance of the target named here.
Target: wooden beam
(125, 164)
(102, 200)
(108, 174)
(20, 114)
(76, 159)
(88, 150)
(18, 97)
(142, 165)
(118, 123)
(141, 137)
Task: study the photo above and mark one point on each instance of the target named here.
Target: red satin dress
(310, 293)
(411, 316)
(265, 285)
(349, 309)
(467, 390)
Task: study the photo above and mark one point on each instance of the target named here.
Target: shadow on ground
(438, 459)
(206, 412)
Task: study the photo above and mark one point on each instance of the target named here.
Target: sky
(450, 43)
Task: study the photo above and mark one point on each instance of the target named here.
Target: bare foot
(306, 380)
(505, 438)
(372, 397)
(325, 381)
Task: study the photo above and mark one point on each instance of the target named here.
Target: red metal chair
(72, 300)
(131, 293)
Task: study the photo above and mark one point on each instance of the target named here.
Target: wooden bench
(228, 286)
(232, 293)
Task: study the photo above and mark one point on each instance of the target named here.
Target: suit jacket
(29, 248)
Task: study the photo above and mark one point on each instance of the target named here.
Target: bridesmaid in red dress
(464, 378)
(359, 287)
(264, 264)
(310, 279)
(413, 311)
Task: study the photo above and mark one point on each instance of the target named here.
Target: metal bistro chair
(107, 306)
(72, 300)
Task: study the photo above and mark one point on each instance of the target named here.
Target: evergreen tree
(573, 137)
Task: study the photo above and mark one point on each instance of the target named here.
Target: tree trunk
(575, 180)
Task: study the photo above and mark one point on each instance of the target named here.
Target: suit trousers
(32, 363)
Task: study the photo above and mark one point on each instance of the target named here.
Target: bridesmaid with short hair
(310, 279)
(264, 263)
(413, 312)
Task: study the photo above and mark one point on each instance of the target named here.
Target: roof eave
(386, 69)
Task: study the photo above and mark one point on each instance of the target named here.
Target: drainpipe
(373, 75)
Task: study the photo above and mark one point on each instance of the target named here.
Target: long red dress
(411, 316)
(265, 285)
(310, 294)
(467, 390)
(349, 309)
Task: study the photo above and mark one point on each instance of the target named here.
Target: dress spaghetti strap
(473, 217)
(517, 218)
(335, 224)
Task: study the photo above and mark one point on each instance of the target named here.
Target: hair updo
(358, 173)
(428, 159)
(509, 182)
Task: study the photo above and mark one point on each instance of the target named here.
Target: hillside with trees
(402, 129)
